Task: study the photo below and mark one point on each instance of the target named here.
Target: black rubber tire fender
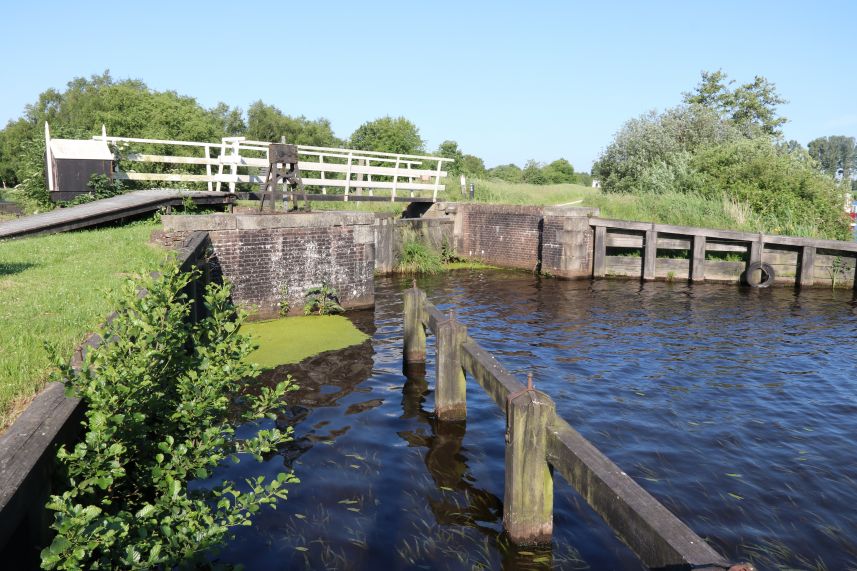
(767, 275)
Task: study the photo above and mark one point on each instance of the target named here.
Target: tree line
(131, 109)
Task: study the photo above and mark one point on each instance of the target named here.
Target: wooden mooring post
(450, 400)
(528, 490)
(415, 333)
(539, 444)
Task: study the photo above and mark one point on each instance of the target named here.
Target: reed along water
(736, 408)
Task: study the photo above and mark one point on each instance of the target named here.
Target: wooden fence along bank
(539, 443)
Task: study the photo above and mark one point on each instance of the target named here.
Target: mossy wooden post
(807, 266)
(450, 401)
(528, 499)
(415, 333)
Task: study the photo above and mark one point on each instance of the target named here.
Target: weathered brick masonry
(271, 258)
(553, 239)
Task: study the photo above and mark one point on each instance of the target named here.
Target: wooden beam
(415, 335)
(650, 255)
(697, 266)
(488, 372)
(528, 490)
(807, 266)
(599, 264)
(657, 536)
(450, 397)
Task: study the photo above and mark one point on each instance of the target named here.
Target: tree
(533, 174)
(750, 106)
(449, 149)
(835, 153)
(560, 171)
(230, 119)
(472, 166)
(508, 173)
(651, 153)
(388, 135)
(127, 107)
(268, 123)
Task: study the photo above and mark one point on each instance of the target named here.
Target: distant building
(596, 183)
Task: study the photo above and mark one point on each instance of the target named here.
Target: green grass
(293, 339)
(500, 192)
(53, 289)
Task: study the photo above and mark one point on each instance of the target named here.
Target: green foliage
(472, 166)
(267, 123)
(284, 305)
(751, 107)
(416, 258)
(834, 154)
(102, 187)
(468, 165)
(157, 398)
(558, 172)
(651, 153)
(721, 146)
(781, 187)
(388, 135)
(450, 150)
(509, 173)
(322, 300)
(533, 173)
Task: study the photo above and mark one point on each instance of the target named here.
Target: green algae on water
(293, 339)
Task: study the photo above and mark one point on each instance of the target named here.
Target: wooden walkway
(107, 210)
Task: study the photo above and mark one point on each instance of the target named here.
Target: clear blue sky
(509, 81)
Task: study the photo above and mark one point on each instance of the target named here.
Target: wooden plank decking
(106, 210)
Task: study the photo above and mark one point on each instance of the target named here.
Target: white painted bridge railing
(235, 158)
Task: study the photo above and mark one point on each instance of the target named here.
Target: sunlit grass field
(54, 290)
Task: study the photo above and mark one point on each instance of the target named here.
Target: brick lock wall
(554, 240)
(265, 260)
(506, 236)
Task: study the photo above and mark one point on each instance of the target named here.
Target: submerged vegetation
(157, 399)
(52, 291)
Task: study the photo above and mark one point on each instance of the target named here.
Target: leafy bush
(102, 187)
(322, 300)
(158, 394)
(691, 150)
(783, 187)
(418, 259)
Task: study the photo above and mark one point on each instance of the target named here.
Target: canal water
(736, 408)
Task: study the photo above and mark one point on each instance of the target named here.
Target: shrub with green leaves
(322, 300)
(157, 395)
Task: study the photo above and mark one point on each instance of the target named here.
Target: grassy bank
(53, 290)
(667, 208)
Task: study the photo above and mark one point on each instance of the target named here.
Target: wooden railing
(236, 160)
(536, 440)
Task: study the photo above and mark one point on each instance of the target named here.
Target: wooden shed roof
(80, 149)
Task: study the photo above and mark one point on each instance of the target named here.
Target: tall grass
(501, 192)
(417, 258)
(53, 290)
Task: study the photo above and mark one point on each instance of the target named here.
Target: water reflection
(734, 407)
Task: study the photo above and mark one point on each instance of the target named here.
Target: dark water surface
(736, 408)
